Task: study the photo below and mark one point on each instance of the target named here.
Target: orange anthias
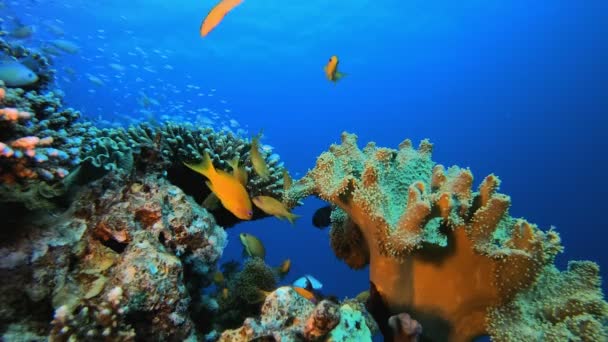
(228, 188)
(331, 69)
(217, 13)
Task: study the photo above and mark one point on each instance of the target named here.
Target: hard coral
(287, 316)
(148, 238)
(163, 149)
(436, 249)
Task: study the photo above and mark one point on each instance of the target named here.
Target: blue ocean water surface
(515, 88)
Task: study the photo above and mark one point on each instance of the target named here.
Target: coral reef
(92, 322)
(38, 139)
(287, 316)
(561, 306)
(242, 296)
(167, 146)
(415, 223)
(33, 59)
(146, 238)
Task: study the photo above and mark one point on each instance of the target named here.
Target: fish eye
(250, 213)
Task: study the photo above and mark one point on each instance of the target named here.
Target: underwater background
(514, 88)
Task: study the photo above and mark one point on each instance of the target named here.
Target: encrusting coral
(452, 258)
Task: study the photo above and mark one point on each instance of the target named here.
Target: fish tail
(292, 218)
(205, 167)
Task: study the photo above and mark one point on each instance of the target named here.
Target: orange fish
(309, 295)
(331, 69)
(217, 13)
(305, 293)
(283, 268)
(226, 187)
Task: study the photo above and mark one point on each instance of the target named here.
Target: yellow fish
(272, 206)
(239, 172)
(252, 246)
(331, 69)
(226, 187)
(286, 180)
(259, 164)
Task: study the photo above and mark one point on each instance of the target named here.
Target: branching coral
(436, 249)
(38, 140)
(163, 149)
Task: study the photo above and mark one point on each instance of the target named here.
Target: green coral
(560, 306)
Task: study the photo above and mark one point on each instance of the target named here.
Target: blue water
(516, 88)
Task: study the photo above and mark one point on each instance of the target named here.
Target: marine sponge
(436, 249)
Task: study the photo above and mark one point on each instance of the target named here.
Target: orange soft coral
(436, 249)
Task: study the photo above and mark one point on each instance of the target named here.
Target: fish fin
(210, 186)
(211, 202)
(239, 172)
(234, 164)
(287, 181)
(339, 75)
(205, 167)
(292, 218)
(244, 178)
(245, 254)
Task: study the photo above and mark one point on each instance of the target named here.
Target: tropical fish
(284, 268)
(257, 160)
(22, 31)
(308, 294)
(218, 277)
(286, 180)
(322, 217)
(217, 13)
(272, 206)
(362, 296)
(308, 282)
(331, 69)
(252, 246)
(65, 45)
(226, 187)
(239, 172)
(211, 202)
(225, 293)
(15, 74)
